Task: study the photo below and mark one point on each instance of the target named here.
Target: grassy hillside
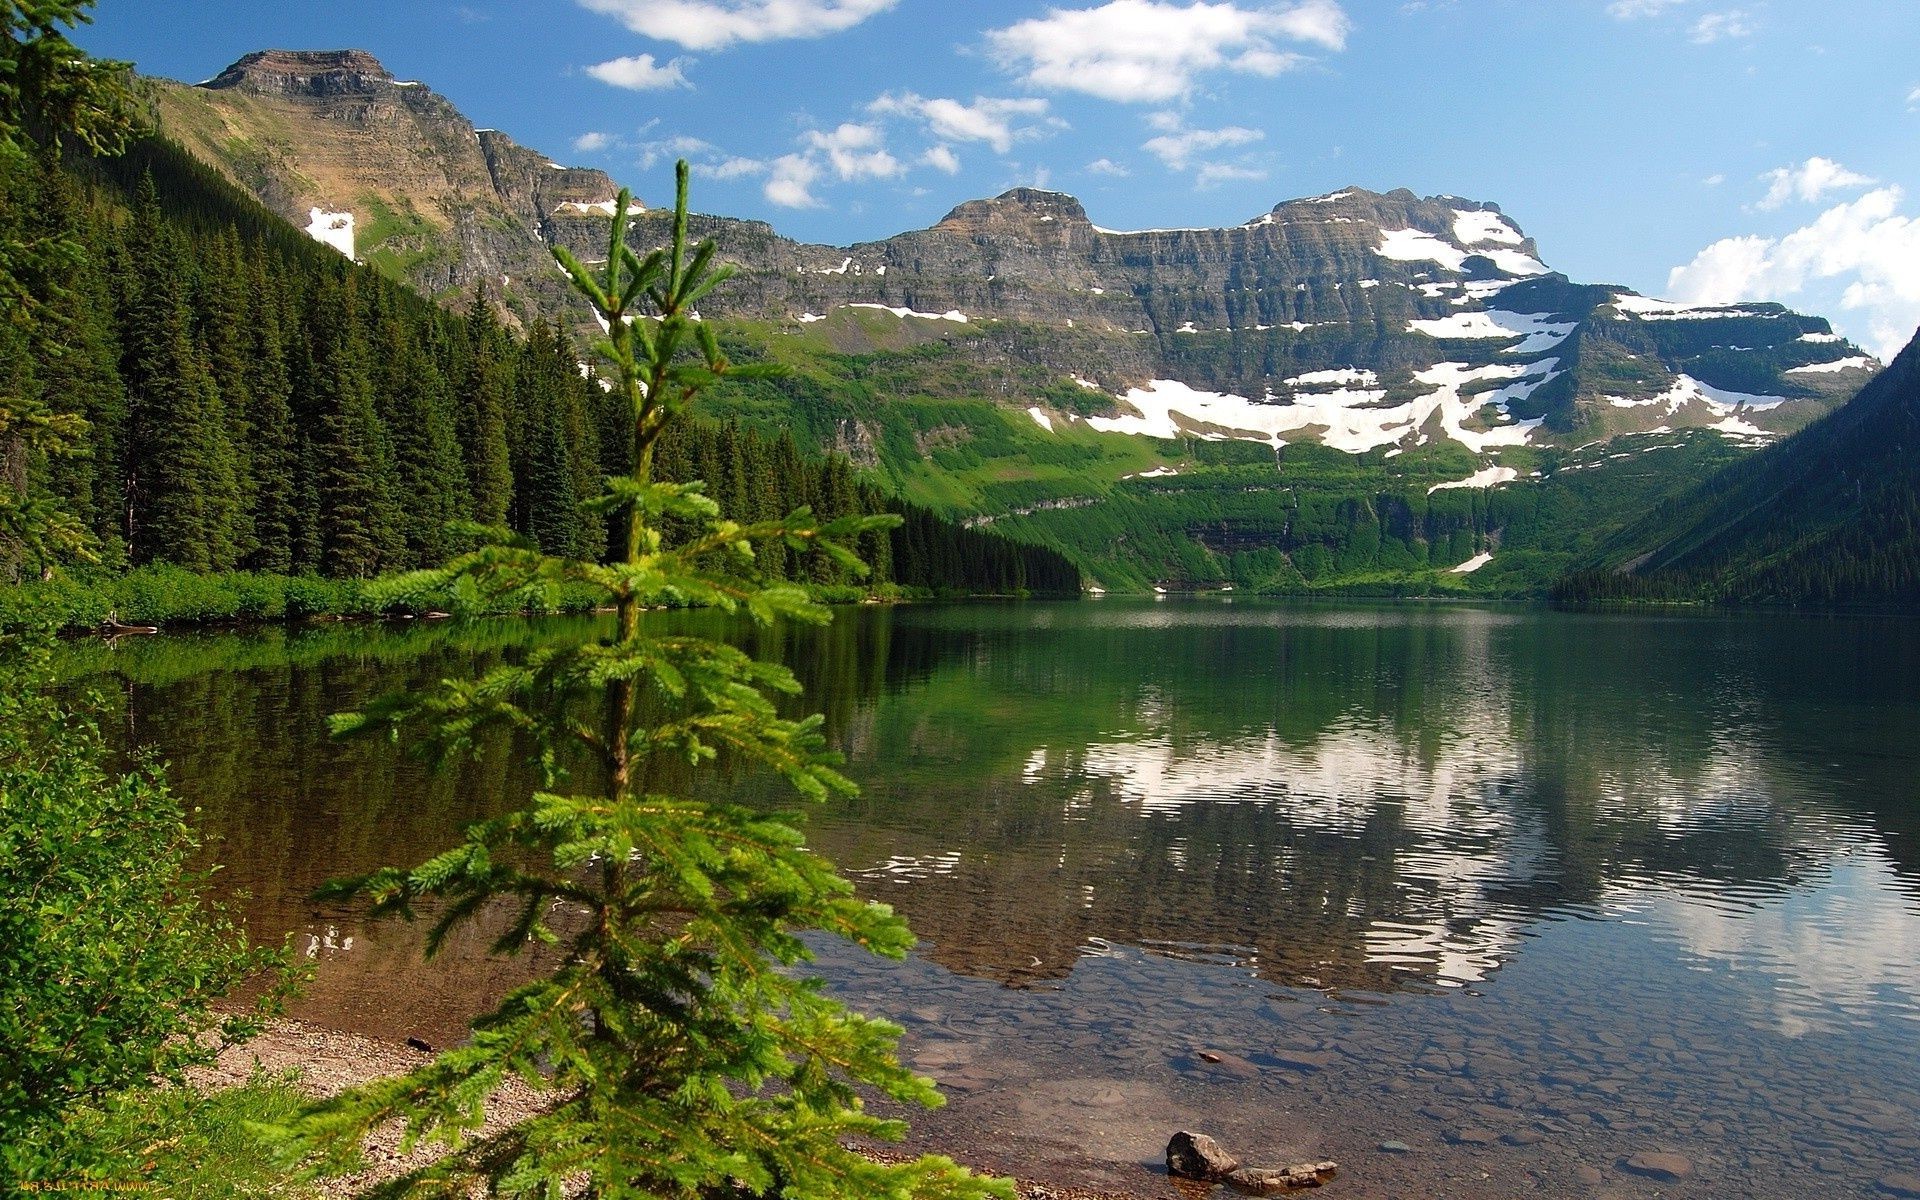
(1831, 515)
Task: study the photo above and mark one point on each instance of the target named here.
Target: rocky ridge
(1364, 320)
(333, 142)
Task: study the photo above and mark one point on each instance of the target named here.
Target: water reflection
(1505, 837)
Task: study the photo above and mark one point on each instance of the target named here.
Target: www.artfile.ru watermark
(86, 1185)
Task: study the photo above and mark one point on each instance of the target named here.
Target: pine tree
(481, 418)
(417, 410)
(681, 1061)
(184, 495)
(274, 444)
(345, 450)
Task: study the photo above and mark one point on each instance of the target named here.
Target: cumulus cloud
(732, 167)
(678, 146)
(1178, 149)
(592, 143)
(1215, 174)
(994, 120)
(942, 158)
(1809, 181)
(639, 73)
(790, 182)
(1913, 99)
(1868, 246)
(716, 24)
(1106, 166)
(854, 152)
(1719, 26)
(850, 152)
(1150, 51)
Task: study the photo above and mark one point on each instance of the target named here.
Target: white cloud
(990, 119)
(591, 143)
(1809, 181)
(638, 72)
(1714, 180)
(1913, 99)
(1176, 150)
(1867, 246)
(1718, 26)
(942, 158)
(1150, 51)
(1106, 166)
(678, 146)
(716, 24)
(1632, 10)
(1215, 174)
(790, 184)
(733, 167)
(855, 151)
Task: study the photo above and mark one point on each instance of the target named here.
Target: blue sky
(1706, 150)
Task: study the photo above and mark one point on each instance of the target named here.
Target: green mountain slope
(1831, 515)
(1356, 390)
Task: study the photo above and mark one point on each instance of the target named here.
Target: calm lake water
(1527, 893)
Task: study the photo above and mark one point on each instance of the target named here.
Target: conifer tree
(419, 413)
(678, 1057)
(481, 420)
(270, 423)
(185, 496)
(345, 441)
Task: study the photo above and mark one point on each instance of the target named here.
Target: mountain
(384, 170)
(1187, 407)
(1358, 319)
(1830, 515)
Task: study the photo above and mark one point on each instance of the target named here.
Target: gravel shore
(329, 1060)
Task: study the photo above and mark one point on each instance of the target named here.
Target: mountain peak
(1022, 205)
(306, 72)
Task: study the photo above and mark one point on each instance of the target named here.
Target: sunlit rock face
(1446, 305)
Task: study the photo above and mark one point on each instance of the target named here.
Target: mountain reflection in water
(1392, 809)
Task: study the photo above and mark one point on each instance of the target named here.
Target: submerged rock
(1197, 1156)
(1268, 1181)
(1667, 1167)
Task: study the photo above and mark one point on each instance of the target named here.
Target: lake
(1521, 895)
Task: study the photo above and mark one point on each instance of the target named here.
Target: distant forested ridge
(254, 401)
(1829, 516)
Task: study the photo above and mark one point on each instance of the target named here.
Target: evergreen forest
(254, 402)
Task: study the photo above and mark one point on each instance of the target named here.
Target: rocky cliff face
(432, 199)
(1360, 319)
(1376, 319)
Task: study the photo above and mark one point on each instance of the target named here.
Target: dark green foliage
(113, 964)
(1829, 516)
(182, 484)
(235, 395)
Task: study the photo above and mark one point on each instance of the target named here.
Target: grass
(180, 1143)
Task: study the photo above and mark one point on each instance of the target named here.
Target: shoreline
(331, 1060)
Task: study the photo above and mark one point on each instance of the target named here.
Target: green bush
(113, 966)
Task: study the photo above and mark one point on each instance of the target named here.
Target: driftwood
(1197, 1156)
(113, 628)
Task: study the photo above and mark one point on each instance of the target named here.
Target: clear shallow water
(1595, 885)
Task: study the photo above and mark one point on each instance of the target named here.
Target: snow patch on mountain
(1858, 362)
(950, 315)
(1476, 228)
(1485, 478)
(332, 229)
(1338, 377)
(1540, 334)
(1417, 245)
